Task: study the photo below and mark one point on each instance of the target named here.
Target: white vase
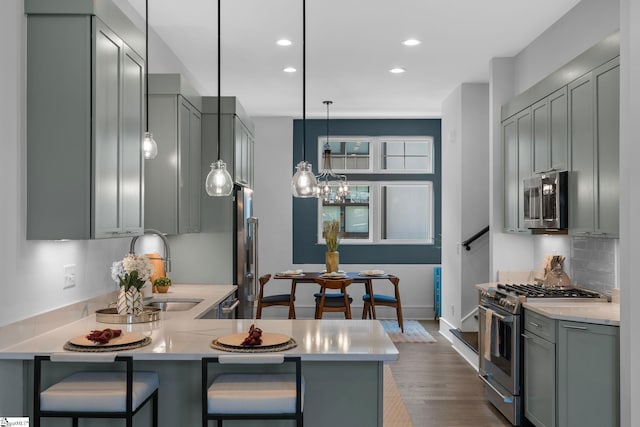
(130, 302)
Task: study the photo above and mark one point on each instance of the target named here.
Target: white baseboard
(461, 348)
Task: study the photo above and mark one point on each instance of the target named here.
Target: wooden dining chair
(333, 302)
(384, 300)
(286, 300)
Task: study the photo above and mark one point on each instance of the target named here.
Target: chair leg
(364, 311)
(259, 310)
(292, 311)
(399, 315)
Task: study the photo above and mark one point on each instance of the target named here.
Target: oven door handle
(505, 319)
(505, 399)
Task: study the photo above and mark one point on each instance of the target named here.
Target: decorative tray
(124, 339)
(270, 343)
(110, 315)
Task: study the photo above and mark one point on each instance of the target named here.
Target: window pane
(406, 212)
(335, 146)
(395, 163)
(417, 163)
(357, 147)
(337, 162)
(416, 148)
(357, 220)
(394, 148)
(331, 213)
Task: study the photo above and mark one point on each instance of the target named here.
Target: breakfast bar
(342, 363)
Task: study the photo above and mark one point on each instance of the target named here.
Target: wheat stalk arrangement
(331, 231)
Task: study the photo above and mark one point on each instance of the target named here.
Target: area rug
(394, 412)
(413, 331)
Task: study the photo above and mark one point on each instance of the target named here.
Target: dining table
(364, 277)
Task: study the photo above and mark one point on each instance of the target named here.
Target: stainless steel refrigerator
(245, 249)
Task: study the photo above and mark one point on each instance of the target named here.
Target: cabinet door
(539, 380)
(588, 375)
(558, 130)
(510, 141)
(189, 185)
(607, 88)
(581, 178)
(541, 143)
(525, 162)
(107, 208)
(196, 181)
(132, 159)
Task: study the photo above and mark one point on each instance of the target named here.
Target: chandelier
(331, 187)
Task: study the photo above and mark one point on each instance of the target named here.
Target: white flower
(117, 270)
(141, 264)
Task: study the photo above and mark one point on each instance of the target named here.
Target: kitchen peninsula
(342, 360)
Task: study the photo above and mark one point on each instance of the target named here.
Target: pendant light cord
(219, 85)
(304, 79)
(146, 60)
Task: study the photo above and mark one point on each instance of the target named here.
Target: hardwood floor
(439, 388)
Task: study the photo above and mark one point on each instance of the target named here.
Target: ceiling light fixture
(284, 42)
(289, 70)
(219, 182)
(397, 70)
(149, 146)
(332, 188)
(411, 42)
(303, 183)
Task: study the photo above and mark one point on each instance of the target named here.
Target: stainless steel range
(500, 339)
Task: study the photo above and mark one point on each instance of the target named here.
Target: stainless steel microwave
(545, 201)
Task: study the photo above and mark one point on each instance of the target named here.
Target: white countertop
(602, 313)
(182, 336)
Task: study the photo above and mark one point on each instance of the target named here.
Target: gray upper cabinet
(550, 133)
(517, 137)
(594, 149)
(237, 140)
(173, 181)
(85, 86)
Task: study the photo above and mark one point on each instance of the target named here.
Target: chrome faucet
(167, 252)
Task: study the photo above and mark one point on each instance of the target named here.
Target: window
(379, 209)
(383, 212)
(391, 154)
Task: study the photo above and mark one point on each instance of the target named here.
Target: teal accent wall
(305, 216)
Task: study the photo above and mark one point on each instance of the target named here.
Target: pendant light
(149, 146)
(303, 183)
(332, 188)
(219, 182)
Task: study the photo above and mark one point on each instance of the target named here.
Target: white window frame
(375, 216)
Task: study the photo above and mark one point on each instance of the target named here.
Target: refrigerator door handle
(253, 271)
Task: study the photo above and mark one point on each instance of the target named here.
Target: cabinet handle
(505, 399)
(582, 328)
(598, 234)
(534, 324)
(581, 233)
(526, 337)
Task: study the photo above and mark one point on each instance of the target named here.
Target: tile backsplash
(594, 263)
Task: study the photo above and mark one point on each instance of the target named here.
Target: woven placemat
(99, 349)
(266, 349)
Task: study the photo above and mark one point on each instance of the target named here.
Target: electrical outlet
(69, 276)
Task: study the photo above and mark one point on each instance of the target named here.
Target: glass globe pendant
(218, 182)
(303, 183)
(149, 146)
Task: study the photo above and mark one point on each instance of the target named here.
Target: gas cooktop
(529, 290)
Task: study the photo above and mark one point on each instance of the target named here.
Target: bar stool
(94, 394)
(252, 396)
(333, 302)
(286, 300)
(384, 300)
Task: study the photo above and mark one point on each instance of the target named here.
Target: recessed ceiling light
(289, 70)
(284, 42)
(397, 70)
(411, 42)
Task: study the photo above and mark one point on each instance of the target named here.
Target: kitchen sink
(173, 305)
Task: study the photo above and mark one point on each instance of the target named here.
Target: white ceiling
(350, 47)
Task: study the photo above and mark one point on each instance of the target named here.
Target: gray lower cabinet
(588, 375)
(517, 137)
(594, 152)
(571, 373)
(539, 382)
(85, 111)
(173, 180)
